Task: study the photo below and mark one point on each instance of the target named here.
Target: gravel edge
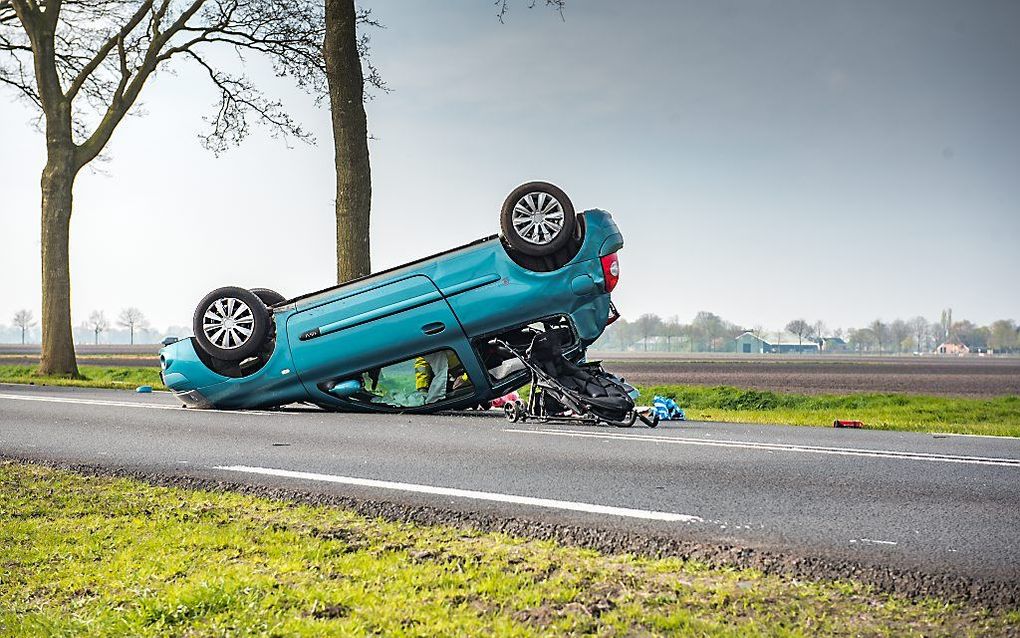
(948, 587)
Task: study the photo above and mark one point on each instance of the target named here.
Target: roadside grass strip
(92, 556)
(998, 416)
(122, 377)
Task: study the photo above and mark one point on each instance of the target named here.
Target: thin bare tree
(920, 329)
(23, 319)
(98, 324)
(880, 331)
(82, 64)
(132, 319)
(899, 331)
(801, 328)
(672, 329)
(758, 331)
(647, 325)
(818, 331)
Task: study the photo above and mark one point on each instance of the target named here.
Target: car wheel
(538, 219)
(231, 323)
(268, 297)
(510, 411)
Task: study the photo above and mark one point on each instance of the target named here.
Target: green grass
(88, 556)
(92, 377)
(998, 416)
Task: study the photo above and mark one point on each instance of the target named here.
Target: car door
(373, 327)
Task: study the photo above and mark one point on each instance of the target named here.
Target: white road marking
(472, 494)
(978, 436)
(781, 447)
(875, 542)
(129, 404)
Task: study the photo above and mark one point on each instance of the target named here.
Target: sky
(765, 160)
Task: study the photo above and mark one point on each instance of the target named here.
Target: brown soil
(973, 377)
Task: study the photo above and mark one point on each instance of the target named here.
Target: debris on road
(499, 402)
(144, 389)
(667, 409)
(847, 424)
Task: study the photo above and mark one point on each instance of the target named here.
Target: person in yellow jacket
(433, 371)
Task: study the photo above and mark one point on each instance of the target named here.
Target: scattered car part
(838, 423)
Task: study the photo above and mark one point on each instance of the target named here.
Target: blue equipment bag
(667, 409)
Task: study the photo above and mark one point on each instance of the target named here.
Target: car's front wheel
(231, 323)
(538, 219)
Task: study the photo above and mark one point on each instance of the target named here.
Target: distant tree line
(708, 332)
(97, 329)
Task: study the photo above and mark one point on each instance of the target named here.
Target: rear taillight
(611, 271)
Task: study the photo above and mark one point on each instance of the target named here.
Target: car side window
(422, 380)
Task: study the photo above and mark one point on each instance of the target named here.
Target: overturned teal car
(439, 333)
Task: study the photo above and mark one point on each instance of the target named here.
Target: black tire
(225, 339)
(268, 297)
(533, 195)
(510, 411)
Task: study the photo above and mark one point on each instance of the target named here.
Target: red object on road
(847, 424)
(501, 401)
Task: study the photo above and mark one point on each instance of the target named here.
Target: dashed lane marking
(549, 503)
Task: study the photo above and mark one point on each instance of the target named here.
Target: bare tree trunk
(57, 357)
(350, 139)
(57, 182)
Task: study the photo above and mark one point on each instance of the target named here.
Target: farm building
(777, 342)
(833, 344)
(953, 346)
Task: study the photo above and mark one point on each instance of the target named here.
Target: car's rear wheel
(269, 297)
(538, 219)
(231, 323)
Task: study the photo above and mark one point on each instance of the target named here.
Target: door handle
(433, 328)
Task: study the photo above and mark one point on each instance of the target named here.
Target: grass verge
(100, 556)
(92, 377)
(998, 416)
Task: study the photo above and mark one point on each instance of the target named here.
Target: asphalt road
(915, 502)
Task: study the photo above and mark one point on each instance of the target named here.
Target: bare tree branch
(107, 47)
(503, 7)
(238, 96)
(104, 51)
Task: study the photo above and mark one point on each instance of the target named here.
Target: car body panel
(373, 328)
(472, 291)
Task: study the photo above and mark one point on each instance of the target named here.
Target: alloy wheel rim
(538, 218)
(228, 323)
